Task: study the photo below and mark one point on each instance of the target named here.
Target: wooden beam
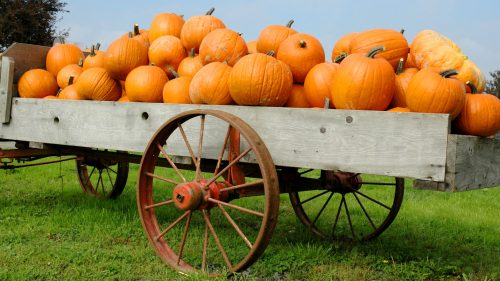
(6, 85)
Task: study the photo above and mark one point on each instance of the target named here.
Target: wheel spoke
(110, 179)
(223, 150)
(371, 199)
(305, 172)
(217, 241)
(184, 235)
(159, 204)
(89, 176)
(98, 182)
(205, 248)
(212, 180)
(322, 209)
(199, 175)
(157, 238)
(245, 210)
(338, 215)
(364, 211)
(111, 169)
(235, 226)
(102, 183)
(244, 185)
(162, 178)
(172, 164)
(315, 196)
(188, 145)
(349, 219)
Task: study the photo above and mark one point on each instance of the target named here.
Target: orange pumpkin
(177, 90)
(37, 83)
(436, 92)
(167, 51)
(61, 55)
(97, 84)
(70, 93)
(480, 115)
(190, 64)
(297, 97)
(343, 45)
(70, 70)
(260, 79)
(399, 109)
(301, 52)
(50, 97)
(140, 35)
(470, 72)
(197, 27)
(363, 82)
(318, 83)
(124, 99)
(123, 55)
(394, 42)
(165, 24)
(145, 84)
(410, 62)
(271, 37)
(403, 78)
(252, 47)
(210, 84)
(222, 45)
(94, 59)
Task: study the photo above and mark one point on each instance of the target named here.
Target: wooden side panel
(26, 57)
(6, 84)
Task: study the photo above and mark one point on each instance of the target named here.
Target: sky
(473, 25)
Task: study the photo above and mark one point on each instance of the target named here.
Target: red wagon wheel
(102, 178)
(351, 207)
(202, 221)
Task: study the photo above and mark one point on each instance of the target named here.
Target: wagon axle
(195, 195)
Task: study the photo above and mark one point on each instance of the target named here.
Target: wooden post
(6, 80)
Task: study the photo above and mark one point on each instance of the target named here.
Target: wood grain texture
(6, 85)
(384, 143)
(26, 57)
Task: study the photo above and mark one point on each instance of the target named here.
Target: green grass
(50, 230)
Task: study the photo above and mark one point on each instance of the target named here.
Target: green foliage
(493, 85)
(29, 21)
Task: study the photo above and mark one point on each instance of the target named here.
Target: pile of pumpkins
(201, 61)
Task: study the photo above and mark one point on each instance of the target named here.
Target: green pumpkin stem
(192, 53)
(399, 70)
(270, 53)
(210, 12)
(340, 57)
(374, 51)
(136, 30)
(473, 88)
(402, 31)
(449, 72)
(80, 62)
(92, 51)
(289, 24)
(97, 46)
(71, 79)
(302, 43)
(172, 70)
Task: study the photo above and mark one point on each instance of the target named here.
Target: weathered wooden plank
(385, 143)
(26, 56)
(6, 80)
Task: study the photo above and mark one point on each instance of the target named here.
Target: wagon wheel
(351, 207)
(101, 178)
(199, 221)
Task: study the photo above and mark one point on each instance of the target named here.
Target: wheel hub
(343, 182)
(195, 195)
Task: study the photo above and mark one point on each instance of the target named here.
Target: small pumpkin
(436, 92)
(271, 37)
(480, 115)
(70, 70)
(123, 55)
(94, 59)
(165, 52)
(61, 55)
(97, 84)
(399, 109)
(145, 84)
(343, 45)
(124, 99)
(297, 97)
(190, 64)
(260, 79)
(403, 78)
(165, 24)
(318, 82)
(37, 83)
(197, 27)
(70, 92)
(50, 97)
(222, 45)
(301, 52)
(210, 84)
(252, 47)
(177, 90)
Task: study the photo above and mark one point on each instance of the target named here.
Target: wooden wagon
(201, 167)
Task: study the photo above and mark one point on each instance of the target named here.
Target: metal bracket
(6, 80)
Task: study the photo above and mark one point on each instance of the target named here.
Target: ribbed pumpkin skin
(399, 109)
(428, 91)
(190, 65)
(402, 81)
(96, 84)
(271, 37)
(145, 84)
(297, 97)
(37, 83)
(259, 79)
(96, 60)
(395, 44)
(210, 84)
(177, 91)
(301, 52)
(167, 51)
(318, 83)
(61, 55)
(252, 47)
(70, 93)
(196, 28)
(363, 83)
(142, 37)
(123, 55)
(165, 24)
(480, 115)
(67, 71)
(222, 45)
(343, 45)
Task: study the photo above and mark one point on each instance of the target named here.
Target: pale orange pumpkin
(61, 55)
(37, 83)
(190, 64)
(145, 84)
(70, 70)
(252, 47)
(97, 84)
(123, 55)
(165, 24)
(210, 84)
(297, 97)
(165, 52)
(318, 82)
(197, 27)
(222, 45)
(403, 78)
(94, 59)
(343, 45)
(271, 37)
(177, 90)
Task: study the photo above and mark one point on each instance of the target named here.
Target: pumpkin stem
(400, 66)
(473, 88)
(182, 16)
(289, 24)
(92, 51)
(327, 103)
(302, 43)
(374, 51)
(98, 46)
(71, 80)
(130, 35)
(209, 12)
(80, 62)
(340, 57)
(192, 53)
(172, 70)
(270, 53)
(239, 33)
(136, 30)
(402, 31)
(449, 72)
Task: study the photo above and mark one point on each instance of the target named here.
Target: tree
(29, 21)
(493, 85)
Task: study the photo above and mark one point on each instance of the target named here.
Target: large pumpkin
(140, 35)
(190, 64)
(145, 84)
(394, 42)
(165, 24)
(167, 52)
(94, 59)
(260, 79)
(480, 115)
(61, 55)
(343, 45)
(403, 78)
(177, 90)
(301, 52)
(210, 84)
(123, 55)
(317, 85)
(363, 82)
(70, 70)
(271, 37)
(97, 84)
(297, 97)
(37, 83)
(197, 27)
(222, 45)
(436, 92)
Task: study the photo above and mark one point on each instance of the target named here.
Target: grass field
(50, 230)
